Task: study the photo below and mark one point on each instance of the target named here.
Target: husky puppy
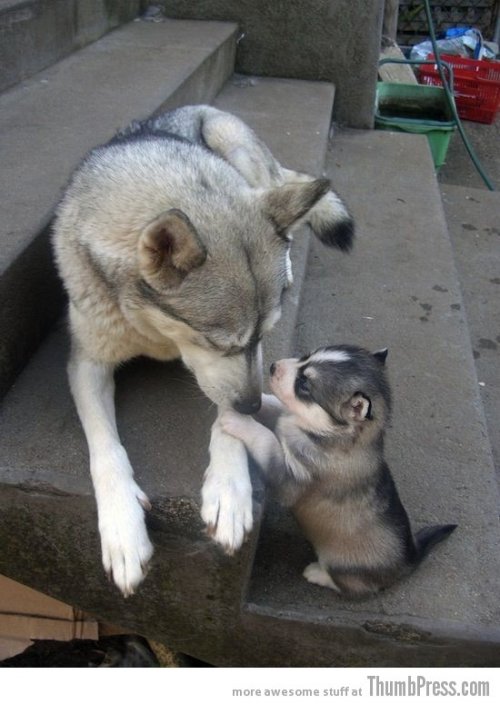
(326, 459)
(172, 241)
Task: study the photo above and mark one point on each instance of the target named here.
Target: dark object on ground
(114, 651)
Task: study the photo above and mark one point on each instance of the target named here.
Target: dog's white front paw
(227, 493)
(126, 548)
(227, 510)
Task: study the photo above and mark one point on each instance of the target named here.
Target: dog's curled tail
(428, 537)
(332, 223)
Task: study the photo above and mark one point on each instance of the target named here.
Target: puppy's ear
(360, 408)
(168, 249)
(381, 355)
(285, 205)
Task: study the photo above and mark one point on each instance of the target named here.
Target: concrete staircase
(400, 288)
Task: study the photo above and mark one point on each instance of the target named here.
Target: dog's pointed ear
(169, 248)
(360, 407)
(381, 355)
(285, 205)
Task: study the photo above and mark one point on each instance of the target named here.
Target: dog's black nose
(272, 369)
(247, 407)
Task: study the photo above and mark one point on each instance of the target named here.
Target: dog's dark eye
(302, 387)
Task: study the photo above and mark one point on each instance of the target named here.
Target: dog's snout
(272, 368)
(248, 406)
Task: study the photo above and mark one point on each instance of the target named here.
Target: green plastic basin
(417, 109)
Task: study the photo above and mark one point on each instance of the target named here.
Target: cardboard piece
(27, 615)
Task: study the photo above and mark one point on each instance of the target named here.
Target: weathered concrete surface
(193, 592)
(36, 33)
(48, 530)
(330, 40)
(473, 217)
(50, 121)
(400, 289)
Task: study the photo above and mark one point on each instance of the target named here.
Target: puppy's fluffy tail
(428, 537)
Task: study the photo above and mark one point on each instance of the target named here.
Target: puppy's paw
(126, 548)
(235, 424)
(227, 506)
(316, 574)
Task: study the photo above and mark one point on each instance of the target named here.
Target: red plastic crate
(476, 86)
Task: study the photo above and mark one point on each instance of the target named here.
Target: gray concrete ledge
(473, 217)
(36, 33)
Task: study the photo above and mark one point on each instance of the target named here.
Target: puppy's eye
(302, 387)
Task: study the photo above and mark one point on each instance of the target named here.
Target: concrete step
(48, 532)
(37, 33)
(50, 121)
(398, 289)
(473, 217)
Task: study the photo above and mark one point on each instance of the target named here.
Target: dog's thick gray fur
(172, 241)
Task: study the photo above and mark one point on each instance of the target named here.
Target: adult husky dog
(172, 241)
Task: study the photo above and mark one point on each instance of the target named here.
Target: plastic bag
(460, 41)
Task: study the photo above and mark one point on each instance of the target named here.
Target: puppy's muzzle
(248, 406)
